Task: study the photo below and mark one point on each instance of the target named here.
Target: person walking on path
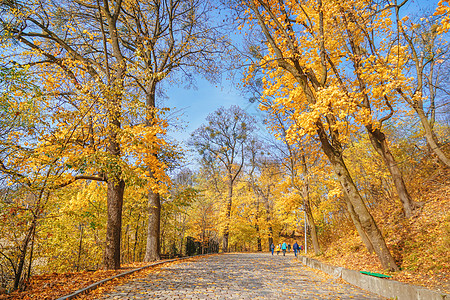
(277, 249)
(272, 248)
(284, 247)
(296, 248)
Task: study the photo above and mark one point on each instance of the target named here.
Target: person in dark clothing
(272, 248)
(296, 248)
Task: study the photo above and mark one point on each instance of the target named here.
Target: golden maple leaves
(444, 9)
(360, 87)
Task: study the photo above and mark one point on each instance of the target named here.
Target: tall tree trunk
(114, 195)
(22, 255)
(226, 234)
(113, 95)
(258, 238)
(268, 219)
(270, 239)
(307, 207)
(30, 259)
(358, 226)
(367, 222)
(80, 246)
(313, 231)
(204, 246)
(153, 249)
(379, 143)
(258, 232)
(128, 233)
(136, 234)
(225, 241)
(183, 231)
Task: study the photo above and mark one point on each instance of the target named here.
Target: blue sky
(196, 104)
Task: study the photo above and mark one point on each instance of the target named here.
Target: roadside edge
(383, 287)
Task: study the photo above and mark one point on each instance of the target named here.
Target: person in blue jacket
(296, 248)
(272, 248)
(284, 247)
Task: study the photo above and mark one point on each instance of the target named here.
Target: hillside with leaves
(420, 245)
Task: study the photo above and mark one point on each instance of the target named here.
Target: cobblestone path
(239, 276)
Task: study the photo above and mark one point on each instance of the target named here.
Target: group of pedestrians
(283, 247)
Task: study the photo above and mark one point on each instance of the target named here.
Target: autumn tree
(292, 156)
(28, 174)
(39, 31)
(73, 230)
(301, 73)
(295, 162)
(372, 63)
(175, 208)
(256, 157)
(24, 190)
(203, 213)
(427, 51)
(263, 173)
(167, 41)
(76, 52)
(224, 139)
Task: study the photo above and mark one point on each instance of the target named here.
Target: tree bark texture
(22, 255)
(258, 238)
(258, 232)
(307, 207)
(153, 249)
(358, 226)
(378, 140)
(313, 231)
(114, 195)
(30, 258)
(268, 220)
(226, 234)
(367, 222)
(115, 189)
(136, 234)
(116, 185)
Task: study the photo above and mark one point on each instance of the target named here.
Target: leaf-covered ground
(56, 285)
(420, 245)
(53, 286)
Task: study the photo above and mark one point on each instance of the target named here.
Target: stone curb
(99, 283)
(383, 287)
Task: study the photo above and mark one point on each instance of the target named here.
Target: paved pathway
(239, 276)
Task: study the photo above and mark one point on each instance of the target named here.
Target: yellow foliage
(443, 9)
